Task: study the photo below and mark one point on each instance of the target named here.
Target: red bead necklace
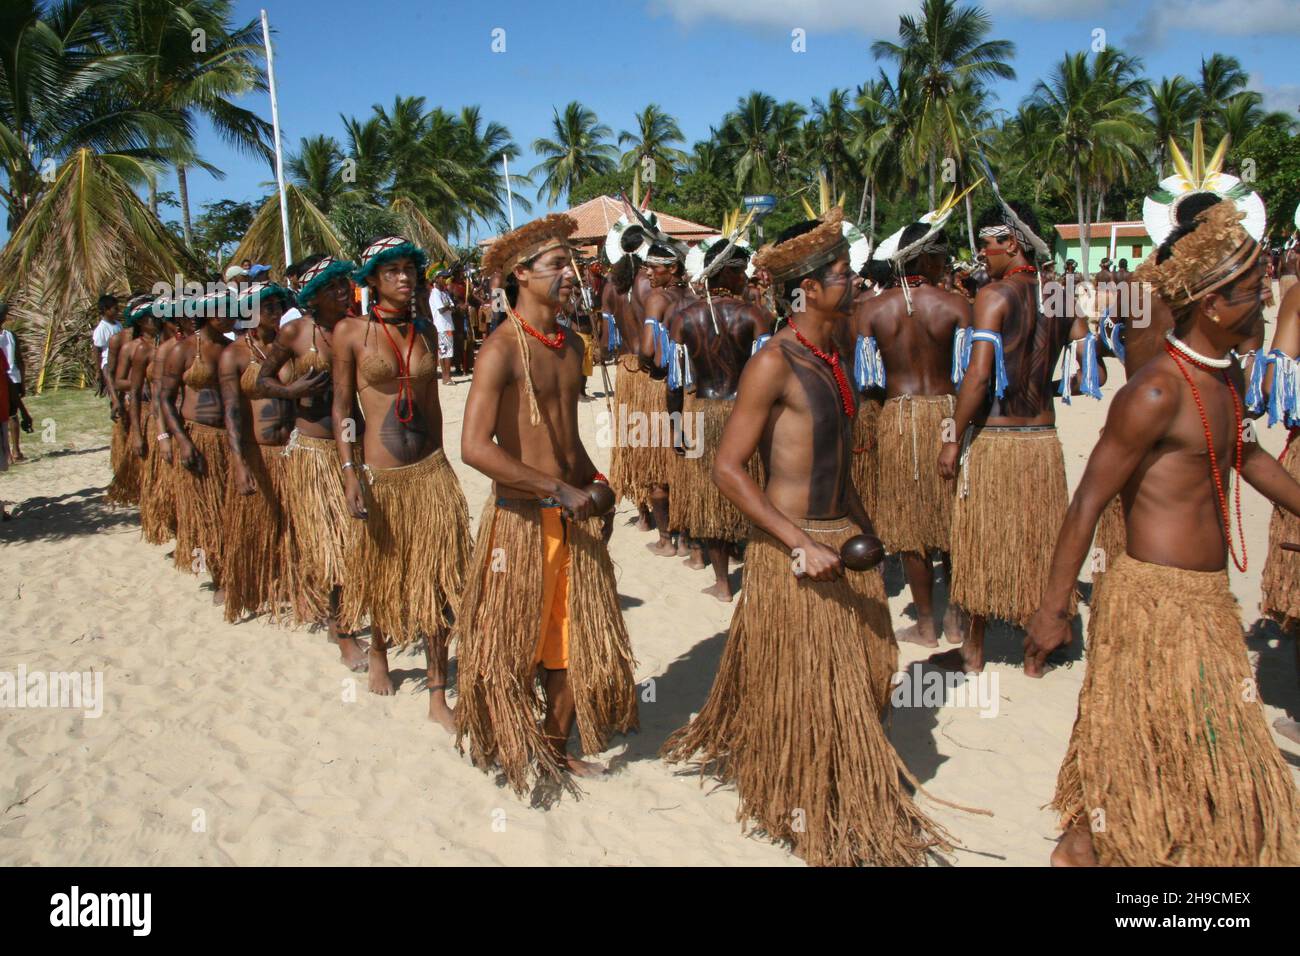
(1019, 269)
(405, 412)
(1214, 461)
(833, 360)
(915, 281)
(554, 343)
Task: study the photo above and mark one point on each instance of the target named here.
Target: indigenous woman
(125, 488)
(158, 497)
(409, 556)
(315, 514)
(198, 438)
(136, 357)
(257, 428)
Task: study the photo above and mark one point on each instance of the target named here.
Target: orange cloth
(553, 642)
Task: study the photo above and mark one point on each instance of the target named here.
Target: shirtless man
(664, 270)
(1167, 744)
(540, 565)
(410, 553)
(807, 636)
(316, 516)
(720, 333)
(1011, 488)
(913, 337)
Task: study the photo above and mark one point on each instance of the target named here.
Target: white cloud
(1283, 97)
(878, 18)
(1224, 17)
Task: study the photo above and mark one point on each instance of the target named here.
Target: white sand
(242, 744)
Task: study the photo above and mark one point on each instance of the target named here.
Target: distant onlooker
(13, 384)
(109, 325)
(4, 430)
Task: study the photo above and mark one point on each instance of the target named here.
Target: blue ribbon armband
(868, 367)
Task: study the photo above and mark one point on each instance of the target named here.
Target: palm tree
(61, 91)
(1221, 78)
(759, 138)
(174, 76)
(88, 233)
(936, 54)
(310, 231)
(831, 132)
(317, 169)
(885, 121)
(1095, 132)
(1172, 110)
(577, 151)
(650, 146)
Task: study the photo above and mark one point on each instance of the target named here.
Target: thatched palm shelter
(309, 231)
(87, 234)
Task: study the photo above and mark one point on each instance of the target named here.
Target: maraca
(602, 499)
(862, 552)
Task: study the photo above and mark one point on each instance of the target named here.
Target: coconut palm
(1094, 130)
(578, 150)
(830, 133)
(650, 147)
(194, 74)
(317, 169)
(759, 138)
(87, 234)
(61, 91)
(937, 53)
(885, 121)
(1221, 78)
(1172, 109)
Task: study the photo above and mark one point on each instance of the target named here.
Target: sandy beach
(249, 744)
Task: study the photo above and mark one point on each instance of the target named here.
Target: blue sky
(695, 58)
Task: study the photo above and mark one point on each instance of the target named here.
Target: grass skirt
(408, 557)
(1171, 761)
(1111, 538)
(793, 718)
(642, 457)
(500, 705)
(913, 507)
(157, 491)
(319, 526)
(124, 490)
(697, 504)
(1280, 584)
(866, 466)
(200, 499)
(1011, 500)
(257, 565)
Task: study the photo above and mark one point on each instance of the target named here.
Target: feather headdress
(1209, 257)
(528, 242)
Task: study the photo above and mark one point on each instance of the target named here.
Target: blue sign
(760, 204)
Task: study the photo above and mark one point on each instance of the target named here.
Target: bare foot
(219, 596)
(585, 768)
(954, 624)
(664, 547)
(353, 654)
(957, 660)
(720, 590)
(1289, 729)
(1075, 849)
(643, 522)
(439, 712)
(380, 682)
(683, 549)
(696, 561)
(916, 634)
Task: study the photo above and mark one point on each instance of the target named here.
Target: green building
(1106, 240)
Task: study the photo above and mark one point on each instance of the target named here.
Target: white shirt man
(10, 347)
(440, 306)
(103, 332)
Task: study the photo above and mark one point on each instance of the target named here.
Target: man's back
(916, 348)
(1031, 345)
(718, 357)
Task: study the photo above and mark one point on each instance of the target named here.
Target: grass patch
(66, 419)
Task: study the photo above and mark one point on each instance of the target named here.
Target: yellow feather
(1180, 162)
(807, 207)
(1216, 161)
(1198, 155)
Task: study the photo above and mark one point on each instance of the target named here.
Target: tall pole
(279, 157)
(510, 196)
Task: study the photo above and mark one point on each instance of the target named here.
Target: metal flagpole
(279, 158)
(505, 167)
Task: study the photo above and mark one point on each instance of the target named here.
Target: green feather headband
(386, 250)
(321, 275)
(263, 291)
(137, 309)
